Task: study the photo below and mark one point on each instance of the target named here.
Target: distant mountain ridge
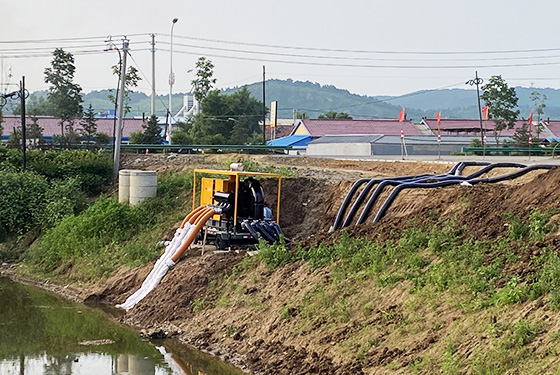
(314, 99)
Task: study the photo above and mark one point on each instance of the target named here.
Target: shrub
(93, 169)
(86, 235)
(21, 201)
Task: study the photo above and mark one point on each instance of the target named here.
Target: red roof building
(470, 127)
(319, 128)
(51, 126)
(552, 127)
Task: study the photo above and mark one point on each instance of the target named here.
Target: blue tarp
(291, 140)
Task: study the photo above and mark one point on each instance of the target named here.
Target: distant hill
(314, 99)
(461, 103)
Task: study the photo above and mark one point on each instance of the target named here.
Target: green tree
(332, 115)
(521, 136)
(182, 136)
(227, 118)
(34, 134)
(64, 94)
(204, 80)
(15, 140)
(102, 139)
(89, 125)
(539, 104)
(301, 115)
(152, 132)
(36, 105)
(131, 80)
(501, 101)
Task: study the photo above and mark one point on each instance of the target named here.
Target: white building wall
(339, 149)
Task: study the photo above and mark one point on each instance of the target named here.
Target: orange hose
(201, 220)
(196, 216)
(188, 217)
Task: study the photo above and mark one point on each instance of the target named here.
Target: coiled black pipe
(510, 176)
(455, 170)
(354, 188)
(270, 229)
(439, 178)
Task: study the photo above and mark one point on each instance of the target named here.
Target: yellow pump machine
(244, 217)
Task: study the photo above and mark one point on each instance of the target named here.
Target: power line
(370, 65)
(365, 51)
(353, 58)
(66, 40)
(146, 78)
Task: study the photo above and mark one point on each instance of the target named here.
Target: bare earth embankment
(298, 318)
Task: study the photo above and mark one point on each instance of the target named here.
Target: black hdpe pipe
(413, 185)
(455, 170)
(270, 230)
(439, 178)
(355, 188)
(251, 230)
(262, 230)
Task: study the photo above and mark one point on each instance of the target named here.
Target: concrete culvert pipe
(143, 185)
(124, 185)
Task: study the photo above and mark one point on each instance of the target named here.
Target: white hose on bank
(182, 239)
(160, 268)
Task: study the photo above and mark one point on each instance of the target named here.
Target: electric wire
(353, 58)
(364, 51)
(148, 81)
(258, 59)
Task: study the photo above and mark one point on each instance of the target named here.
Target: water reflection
(41, 333)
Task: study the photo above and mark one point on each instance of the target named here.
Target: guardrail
(199, 148)
(509, 150)
(141, 148)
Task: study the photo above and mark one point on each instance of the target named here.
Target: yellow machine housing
(210, 186)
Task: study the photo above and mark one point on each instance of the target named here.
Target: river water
(44, 334)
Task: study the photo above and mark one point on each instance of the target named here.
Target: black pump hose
(440, 178)
(249, 227)
(264, 232)
(510, 176)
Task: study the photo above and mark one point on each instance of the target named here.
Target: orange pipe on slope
(194, 219)
(201, 220)
(191, 214)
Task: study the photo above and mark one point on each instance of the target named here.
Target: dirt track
(310, 203)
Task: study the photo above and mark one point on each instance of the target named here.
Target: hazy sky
(367, 47)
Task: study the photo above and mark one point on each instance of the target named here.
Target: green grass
(440, 257)
(109, 234)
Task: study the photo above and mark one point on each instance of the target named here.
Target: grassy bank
(431, 299)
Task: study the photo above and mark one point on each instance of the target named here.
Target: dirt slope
(252, 333)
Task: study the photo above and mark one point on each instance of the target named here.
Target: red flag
(485, 113)
(438, 118)
(530, 121)
(401, 115)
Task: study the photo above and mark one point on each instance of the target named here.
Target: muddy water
(41, 333)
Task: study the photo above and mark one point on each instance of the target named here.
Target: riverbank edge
(79, 295)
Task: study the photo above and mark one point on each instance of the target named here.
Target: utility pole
(153, 112)
(118, 133)
(264, 107)
(23, 130)
(478, 81)
(171, 82)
